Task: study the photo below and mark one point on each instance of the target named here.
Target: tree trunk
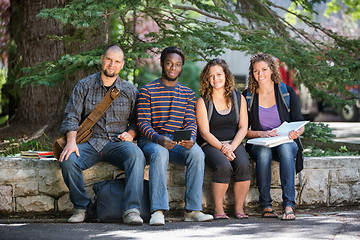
(41, 105)
(37, 104)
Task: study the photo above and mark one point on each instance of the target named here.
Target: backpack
(109, 195)
(285, 96)
(237, 102)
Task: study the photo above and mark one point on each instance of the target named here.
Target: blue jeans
(158, 158)
(284, 154)
(124, 155)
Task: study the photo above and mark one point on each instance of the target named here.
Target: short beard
(169, 78)
(108, 74)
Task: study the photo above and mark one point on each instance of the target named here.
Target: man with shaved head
(111, 140)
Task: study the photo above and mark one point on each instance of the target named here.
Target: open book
(283, 131)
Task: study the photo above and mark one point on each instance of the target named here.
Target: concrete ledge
(34, 185)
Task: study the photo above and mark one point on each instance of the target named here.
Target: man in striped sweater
(165, 105)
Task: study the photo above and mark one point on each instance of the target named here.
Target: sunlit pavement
(308, 225)
(346, 131)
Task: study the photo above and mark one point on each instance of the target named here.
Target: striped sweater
(162, 110)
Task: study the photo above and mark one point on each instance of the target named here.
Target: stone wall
(33, 185)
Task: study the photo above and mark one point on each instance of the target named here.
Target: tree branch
(188, 8)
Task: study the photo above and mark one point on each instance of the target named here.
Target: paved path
(330, 225)
(346, 131)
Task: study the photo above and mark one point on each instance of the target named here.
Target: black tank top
(223, 127)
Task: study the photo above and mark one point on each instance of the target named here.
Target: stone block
(275, 174)
(331, 162)
(64, 203)
(40, 203)
(315, 187)
(348, 175)
(51, 182)
(333, 177)
(176, 177)
(340, 194)
(207, 199)
(356, 193)
(276, 196)
(177, 206)
(6, 199)
(27, 188)
(253, 197)
(176, 194)
(92, 175)
(14, 175)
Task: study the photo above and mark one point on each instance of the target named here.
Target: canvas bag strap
(98, 111)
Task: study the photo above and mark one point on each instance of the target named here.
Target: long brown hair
(206, 89)
(253, 85)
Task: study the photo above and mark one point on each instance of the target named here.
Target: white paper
(283, 130)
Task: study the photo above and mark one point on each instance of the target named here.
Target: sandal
(220, 216)
(287, 214)
(240, 215)
(273, 214)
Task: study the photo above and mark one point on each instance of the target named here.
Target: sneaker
(157, 218)
(197, 216)
(132, 217)
(78, 216)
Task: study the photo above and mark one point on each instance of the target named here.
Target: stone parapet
(34, 185)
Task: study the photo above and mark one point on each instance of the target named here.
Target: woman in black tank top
(221, 133)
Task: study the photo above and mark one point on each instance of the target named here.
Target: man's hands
(186, 143)
(166, 142)
(70, 146)
(126, 136)
(169, 144)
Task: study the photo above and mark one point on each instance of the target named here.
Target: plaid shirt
(119, 117)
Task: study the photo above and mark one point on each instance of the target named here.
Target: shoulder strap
(285, 95)
(237, 103)
(249, 99)
(209, 107)
(98, 111)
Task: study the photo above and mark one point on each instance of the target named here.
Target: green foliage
(319, 132)
(15, 146)
(352, 8)
(325, 62)
(317, 152)
(3, 78)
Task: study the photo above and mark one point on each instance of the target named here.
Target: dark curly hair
(205, 87)
(253, 85)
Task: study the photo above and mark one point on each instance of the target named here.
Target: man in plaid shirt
(111, 140)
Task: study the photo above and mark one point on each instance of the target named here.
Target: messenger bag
(85, 130)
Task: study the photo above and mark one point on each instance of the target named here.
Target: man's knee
(70, 163)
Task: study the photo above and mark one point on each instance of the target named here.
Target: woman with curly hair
(267, 112)
(221, 136)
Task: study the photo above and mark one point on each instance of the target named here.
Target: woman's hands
(267, 134)
(228, 151)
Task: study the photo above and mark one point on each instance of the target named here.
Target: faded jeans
(284, 154)
(158, 158)
(124, 155)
